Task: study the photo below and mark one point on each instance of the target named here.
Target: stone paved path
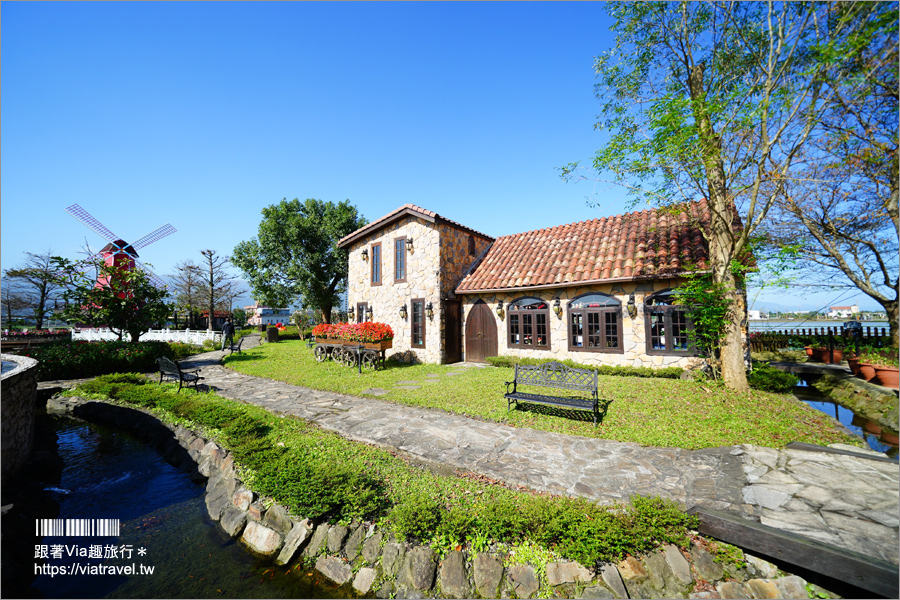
(847, 501)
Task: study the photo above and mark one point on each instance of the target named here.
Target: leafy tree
(240, 318)
(841, 208)
(38, 286)
(714, 100)
(295, 254)
(126, 301)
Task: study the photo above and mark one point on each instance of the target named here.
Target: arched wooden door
(481, 333)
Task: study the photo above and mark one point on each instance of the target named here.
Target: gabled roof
(400, 213)
(639, 245)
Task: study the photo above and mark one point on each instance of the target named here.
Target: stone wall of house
(633, 333)
(18, 391)
(422, 281)
(455, 257)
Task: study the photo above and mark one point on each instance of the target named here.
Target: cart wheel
(370, 361)
(320, 353)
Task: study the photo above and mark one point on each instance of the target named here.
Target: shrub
(73, 360)
(417, 517)
(769, 379)
(623, 371)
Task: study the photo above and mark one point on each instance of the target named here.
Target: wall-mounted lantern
(365, 254)
(500, 309)
(631, 306)
(409, 244)
(429, 311)
(557, 308)
(369, 313)
(403, 312)
(350, 312)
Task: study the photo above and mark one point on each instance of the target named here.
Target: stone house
(597, 292)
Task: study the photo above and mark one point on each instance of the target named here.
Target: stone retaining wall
(371, 561)
(863, 398)
(18, 389)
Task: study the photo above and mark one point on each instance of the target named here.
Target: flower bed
(367, 333)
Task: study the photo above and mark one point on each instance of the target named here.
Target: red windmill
(119, 253)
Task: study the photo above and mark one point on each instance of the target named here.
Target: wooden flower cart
(350, 353)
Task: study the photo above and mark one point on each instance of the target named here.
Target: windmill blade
(91, 223)
(154, 236)
(154, 278)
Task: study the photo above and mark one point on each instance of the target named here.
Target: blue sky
(201, 114)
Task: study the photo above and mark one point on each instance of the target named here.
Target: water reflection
(880, 439)
(111, 474)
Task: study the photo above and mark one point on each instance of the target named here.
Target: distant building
(263, 315)
(754, 315)
(843, 312)
(219, 317)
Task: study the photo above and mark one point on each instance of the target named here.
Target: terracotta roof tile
(649, 243)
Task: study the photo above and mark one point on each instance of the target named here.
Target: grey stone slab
(611, 577)
(375, 392)
(407, 387)
(336, 538)
(334, 569)
(454, 580)
(487, 573)
(523, 580)
(364, 579)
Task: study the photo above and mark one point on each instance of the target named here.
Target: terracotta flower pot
(824, 355)
(866, 371)
(854, 364)
(809, 351)
(886, 376)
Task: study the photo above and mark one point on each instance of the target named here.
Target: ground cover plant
(647, 411)
(75, 360)
(319, 475)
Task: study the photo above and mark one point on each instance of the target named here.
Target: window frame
(601, 311)
(521, 324)
(412, 322)
(666, 311)
(375, 265)
(405, 264)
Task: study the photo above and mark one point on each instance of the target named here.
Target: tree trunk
(720, 237)
(326, 313)
(891, 309)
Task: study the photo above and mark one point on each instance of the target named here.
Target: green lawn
(647, 411)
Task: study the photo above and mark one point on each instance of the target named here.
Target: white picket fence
(186, 336)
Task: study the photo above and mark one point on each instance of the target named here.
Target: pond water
(7, 366)
(880, 439)
(110, 474)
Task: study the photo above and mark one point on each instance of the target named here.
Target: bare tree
(840, 211)
(186, 284)
(218, 284)
(38, 282)
(14, 300)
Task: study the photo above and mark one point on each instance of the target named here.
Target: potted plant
(853, 362)
(879, 368)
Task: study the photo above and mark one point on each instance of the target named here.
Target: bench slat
(553, 400)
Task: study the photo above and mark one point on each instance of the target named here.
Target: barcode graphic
(76, 527)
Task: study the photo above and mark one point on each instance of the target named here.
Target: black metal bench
(555, 375)
(170, 370)
(236, 347)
